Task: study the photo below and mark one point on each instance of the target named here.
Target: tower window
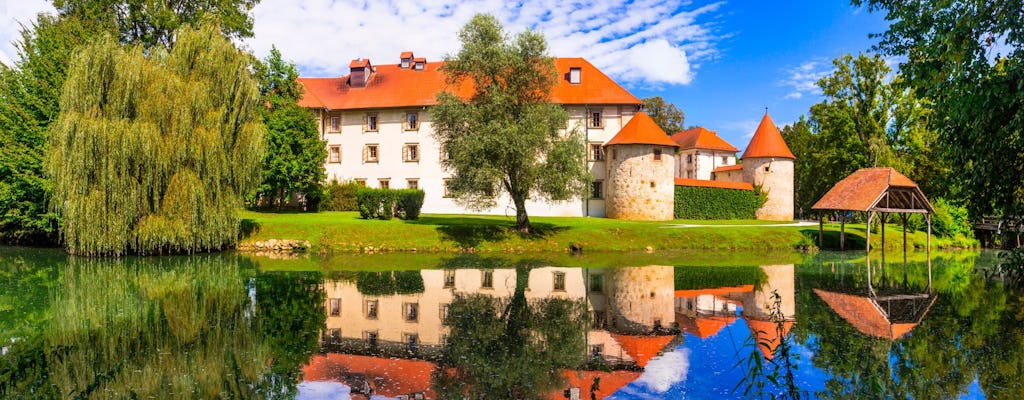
(657, 154)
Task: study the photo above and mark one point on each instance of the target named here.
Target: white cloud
(648, 42)
(14, 14)
(661, 373)
(803, 79)
(744, 128)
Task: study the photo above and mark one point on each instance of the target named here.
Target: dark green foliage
(154, 149)
(507, 137)
(340, 196)
(29, 92)
(689, 277)
(290, 306)
(666, 115)
(410, 202)
(968, 58)
(388, 203)
(294, 161)
(152, 23)
(716, 203)
(389, 282)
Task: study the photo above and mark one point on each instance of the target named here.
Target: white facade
(698, 163)
(399, 155)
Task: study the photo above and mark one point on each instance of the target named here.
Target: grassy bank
(346, 232)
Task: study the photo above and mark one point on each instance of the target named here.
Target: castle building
(378, 130)
(377, 126)
(700, 152)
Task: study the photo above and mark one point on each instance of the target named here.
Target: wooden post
(903, 218)
(842, 231)
(883, 241)
(867, 244)
(928, 251)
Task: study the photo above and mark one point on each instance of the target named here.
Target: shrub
(340, 196)
(386, 203)
(949, 221)
(716, 203)
(410, 202)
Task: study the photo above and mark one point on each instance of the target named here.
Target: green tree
(968, 58)
(154, 149)
(153, 22)
(295, 155)
(666, 115)
(507, 136)
(867, 119)
(510, 348)
(29, 91)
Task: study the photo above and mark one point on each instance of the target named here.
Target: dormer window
(360, 72)
(574, 75)
(406, 58)
(419, 64)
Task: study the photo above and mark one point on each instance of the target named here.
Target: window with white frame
(371, 153)
(411, 152)
(412, 183)
(447, 188)
(384, 183)
(595, 120)
(411, 312)
(596, 152)
(574, 75)
(559, 281)
(412, 121)
(370, 123)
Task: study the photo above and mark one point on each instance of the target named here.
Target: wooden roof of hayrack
(876, 189)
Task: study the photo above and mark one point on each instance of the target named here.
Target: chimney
(406, 58)
(360, 72)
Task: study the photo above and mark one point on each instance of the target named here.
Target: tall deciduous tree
(295, 153)
(29, 92)
(867, 119)
(507, 137)
(968, 58)
(154, 22)
(153, 150)
(666, 115)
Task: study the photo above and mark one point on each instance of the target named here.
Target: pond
(697, 325)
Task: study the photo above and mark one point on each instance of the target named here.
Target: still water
(438, 327)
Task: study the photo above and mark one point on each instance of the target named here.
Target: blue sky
(721, 62)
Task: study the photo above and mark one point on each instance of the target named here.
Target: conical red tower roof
(641, 129)
(767, 142)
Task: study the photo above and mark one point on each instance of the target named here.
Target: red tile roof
(359, 63)
(641, 129)
(391, 376)
(715, 291)
(391, 86)
(864, 190)
(860, 312)
(704, 327)
(701, 138)
(767, 332)
(610, 382)
(642, 348)
(405, 54)
(713, 184)
(767, 141)
(728, 168)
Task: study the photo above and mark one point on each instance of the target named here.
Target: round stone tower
(768, 163)
(640, 162)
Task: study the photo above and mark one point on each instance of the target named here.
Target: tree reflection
(510, 348)
(169, 327)
(971, 333)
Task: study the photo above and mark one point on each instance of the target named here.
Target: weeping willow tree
(154, 148)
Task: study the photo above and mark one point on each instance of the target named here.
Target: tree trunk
(522, 220)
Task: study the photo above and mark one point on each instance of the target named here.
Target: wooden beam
(899, 210)
(842, 231)
(821, 229)
(867, 244)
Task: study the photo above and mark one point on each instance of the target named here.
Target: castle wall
(639, 187)
(698, 164)
(775, 176)
(735, 175)
(641, 298)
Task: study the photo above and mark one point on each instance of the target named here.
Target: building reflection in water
(387, 342)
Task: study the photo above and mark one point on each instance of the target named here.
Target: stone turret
(768, 163)
(640, 166)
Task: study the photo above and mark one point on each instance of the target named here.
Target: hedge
(716, 203)
(340, 196)
(388, 203)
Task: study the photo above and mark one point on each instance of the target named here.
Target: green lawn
(346, 232)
